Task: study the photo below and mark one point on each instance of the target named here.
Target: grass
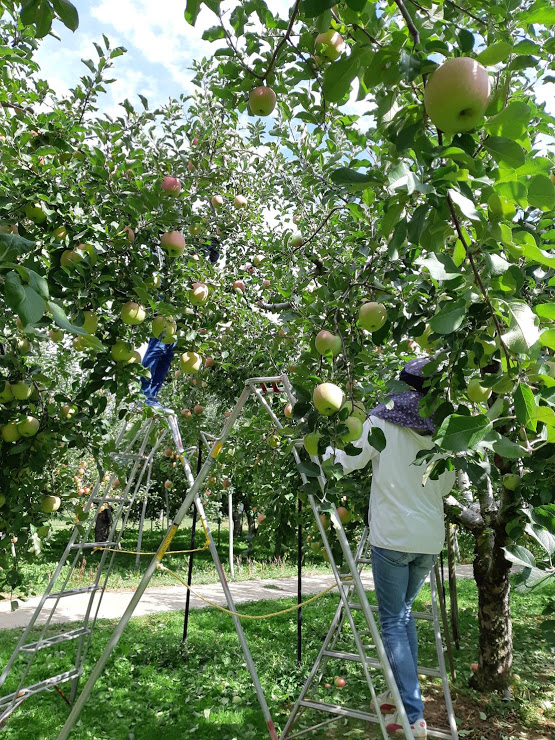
(125, 575)
(153, 687)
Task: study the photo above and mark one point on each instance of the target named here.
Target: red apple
(173, 243)
(198, 409)
(262, 100)
(171, 185)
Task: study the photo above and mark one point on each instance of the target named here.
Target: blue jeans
(398, 577)
(158, 358)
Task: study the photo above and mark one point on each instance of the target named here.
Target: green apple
(511, 481)
(274, 440)
(198, 294)
(354, 432)
(70, 258)
(60, 233)
(262, 100)
(477, 392)
(10, 432)
(35, 213)
(90, 323)
(456, 95)
(310, 442)
(217, 201)
(372, 316)
(50, 504)
(259, 259)
(327, 342)
(68, 411)
(56, 335)
(356, 409)
(240, 201)
(190, 362)
(329, 45)
(79, 343)
(173, 243)
(122, 351)
(6, 394)
(28, 427)
(132, 313)
(328, 398)
(21, 390)
(196, 229)
(135, 358)
(23, 346)
(296, 239)
(164, 325)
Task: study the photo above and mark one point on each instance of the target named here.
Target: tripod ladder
(134, 449)
(353, 599)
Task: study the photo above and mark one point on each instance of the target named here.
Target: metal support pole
(299, 583)
(191, 555)
(453, 596)
(445, 622)
(231, 530)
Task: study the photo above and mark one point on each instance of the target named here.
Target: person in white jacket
(406, 531)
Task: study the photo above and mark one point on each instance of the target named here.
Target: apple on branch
(173, 243)
(132, 313)
(238, 286)
(9, 432)
(262, 100)
(70, 258)
(240, 201)
(327, 342)
(28, 427)
(198, 294)
(171, 185)
(217, 201)
(372, 316)
(329, 45)
(456, 95)
(190, 362)
(50, 504)
(328, 398)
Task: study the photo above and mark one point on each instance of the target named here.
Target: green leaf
(31, 310)
(309, 468)
(352, 178)
(192, 10)
(43, 20)
(547, 338)
(440, 266)
(213, 34)
(465, 204)
(541, 193)
(13, 246)
(312, 8)
(68, 13)
(523, 330)
(38, 283)
(511, 122)
(459, 433)
(59, 316)
(520, 556)
(495, 53)
(356, 5)
(513, 191)
(450, 318)
(466, 41)
(376, 439)
(525, 405)
(545, 311)
(14, 292)
(508, 449)
(505, 151)
(541, 13)
(338, 77)
(534, 254)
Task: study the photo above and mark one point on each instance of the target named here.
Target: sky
(161, 47)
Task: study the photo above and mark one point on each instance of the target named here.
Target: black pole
(192, 554)
(299, 582)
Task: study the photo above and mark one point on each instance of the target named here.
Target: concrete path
(172, 598)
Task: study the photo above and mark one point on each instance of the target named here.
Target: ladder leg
(365, 606)
(445, 622)
(441, 658)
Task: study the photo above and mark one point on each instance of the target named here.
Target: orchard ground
(154, 685)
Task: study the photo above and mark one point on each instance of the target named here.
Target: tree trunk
(491, 572)
(237, 522)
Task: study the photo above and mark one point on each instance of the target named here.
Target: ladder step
(365, 561)
(375, 663)
(92, 545)
(127, 456)
(417, 615)
(109, 500)
(40, 686)
(33, 647)
(73, 591)
(340, 711)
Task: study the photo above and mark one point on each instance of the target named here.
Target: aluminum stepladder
(191, 498)
(351, 587)
(135, 446)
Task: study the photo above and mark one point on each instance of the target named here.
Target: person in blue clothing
(158, 356)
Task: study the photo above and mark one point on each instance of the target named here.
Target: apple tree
(419, 173)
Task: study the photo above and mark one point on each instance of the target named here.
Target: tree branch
(408, 20)
(283, 41)
(236, 50)
(275, 306)
(467, 516)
